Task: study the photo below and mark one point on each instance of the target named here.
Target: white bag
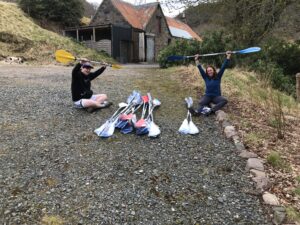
(154, 130)
(192, 128)
(184, 128)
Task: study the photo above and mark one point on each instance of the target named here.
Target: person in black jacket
(82, 95)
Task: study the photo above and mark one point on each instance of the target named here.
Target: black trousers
(219, 102)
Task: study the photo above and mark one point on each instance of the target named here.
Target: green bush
(273, 73)
(178, 47)
(216, 41)
(67, 13)
(283, 53)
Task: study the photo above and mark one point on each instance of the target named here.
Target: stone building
(131, 33)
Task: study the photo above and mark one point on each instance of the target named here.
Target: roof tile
(139, 16)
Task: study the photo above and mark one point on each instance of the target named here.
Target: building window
(159, 18)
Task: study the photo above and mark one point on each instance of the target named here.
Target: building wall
(108, 14)
(135, 46)
(162, 36)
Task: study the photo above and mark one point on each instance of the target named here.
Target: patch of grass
(297, 191)
(298, 179)
(275, 160)
(273, 122)
(292, 214)
(254, 138)
(52, 220)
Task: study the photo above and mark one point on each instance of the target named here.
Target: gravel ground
(52, 164)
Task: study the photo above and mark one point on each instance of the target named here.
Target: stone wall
(108, 14)
(161, 38)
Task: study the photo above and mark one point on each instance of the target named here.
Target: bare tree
(249, 21)
(183, 4)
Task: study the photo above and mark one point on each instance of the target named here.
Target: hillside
(208, 17)
(21, 37)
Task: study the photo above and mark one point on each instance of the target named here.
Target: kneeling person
(82, 95)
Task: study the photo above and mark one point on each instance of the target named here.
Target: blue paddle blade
(128, 128)
(174, 58)
(249, 50)
(121, 123)
(142, 131)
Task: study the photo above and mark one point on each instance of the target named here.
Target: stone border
(256, 169)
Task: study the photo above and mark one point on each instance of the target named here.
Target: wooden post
(94, 34)
(77, 34)
(298, 86)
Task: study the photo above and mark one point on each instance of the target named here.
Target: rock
(229, 131)
(247, 155)
(279, 215)
(257, 173)
(225, 123)
(236, 139)
(270, 199)
(240, 146)
(221, 116)
(262, 183)
(254, 163)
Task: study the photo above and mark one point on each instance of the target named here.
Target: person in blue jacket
(212, 80)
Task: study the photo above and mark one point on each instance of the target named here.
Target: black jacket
(81, 84)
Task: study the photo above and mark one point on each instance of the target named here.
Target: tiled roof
(139, 16)
(180, 29)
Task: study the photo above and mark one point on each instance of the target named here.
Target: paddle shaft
(96, 62)
(210, 54)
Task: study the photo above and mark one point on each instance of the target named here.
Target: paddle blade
(174, 58)
(116, 66)
(142, 131)
(121, 123)
(189, 102)
(109, 131)
(63, 56)
(128, 128)
(249, 50)
(99, 130)
(156, 102)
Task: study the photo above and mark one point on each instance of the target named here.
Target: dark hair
(214, 69)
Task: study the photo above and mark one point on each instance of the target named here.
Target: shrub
(178, 47)
(273, 74)
(283, 53)
(67, 13)
(216, 41)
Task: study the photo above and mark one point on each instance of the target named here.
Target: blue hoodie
(213, 86)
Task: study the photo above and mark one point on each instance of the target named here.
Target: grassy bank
(21, 37)
(267, 120)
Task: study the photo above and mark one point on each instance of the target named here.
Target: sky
(167, 12)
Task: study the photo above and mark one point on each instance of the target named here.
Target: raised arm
(202, 72)
(97, 72)
(225, 64)
(76, 69)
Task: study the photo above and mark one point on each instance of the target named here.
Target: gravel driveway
(52, 164)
